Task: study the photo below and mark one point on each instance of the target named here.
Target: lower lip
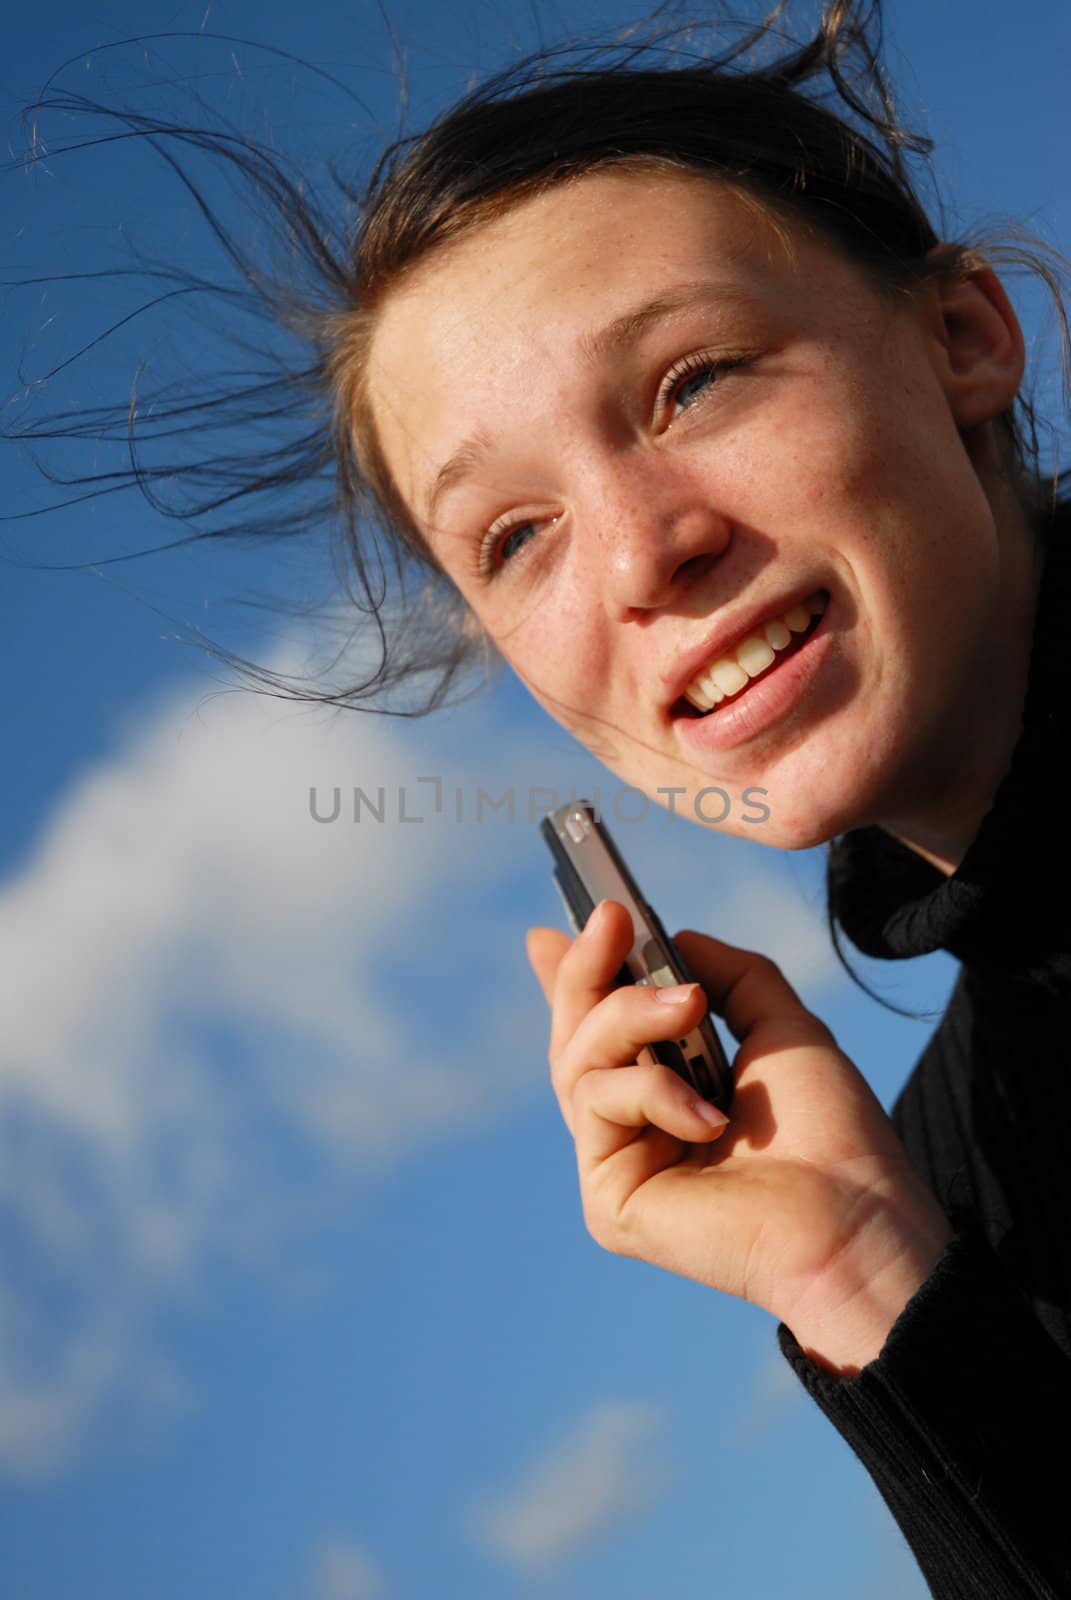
(765, 702)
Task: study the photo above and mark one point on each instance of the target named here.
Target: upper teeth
(728, 674)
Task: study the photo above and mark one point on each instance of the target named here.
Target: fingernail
(677, 995)
(591, 925)
(709, 1113)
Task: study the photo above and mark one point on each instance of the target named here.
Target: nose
(656, 540)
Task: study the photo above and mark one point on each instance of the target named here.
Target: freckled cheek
(817, 456)
(859, 444)
(561, 652)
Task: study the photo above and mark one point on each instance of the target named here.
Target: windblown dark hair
(807, 130)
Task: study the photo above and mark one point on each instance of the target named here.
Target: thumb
(745, 988)
(545, 948)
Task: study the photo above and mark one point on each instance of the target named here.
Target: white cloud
(195, 979)
(609, 1467)
(344, 1570)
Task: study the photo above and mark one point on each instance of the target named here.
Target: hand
(804, 1203)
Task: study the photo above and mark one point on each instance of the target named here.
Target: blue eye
(693, 379)
(504, 544)
(693, 386)
(515, 539)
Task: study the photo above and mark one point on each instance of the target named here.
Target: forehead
(507, 313)
(581, 236)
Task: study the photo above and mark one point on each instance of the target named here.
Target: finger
(613, 1033)
(588, 970)
(611, 1103)
(745, 988)
(545, 948)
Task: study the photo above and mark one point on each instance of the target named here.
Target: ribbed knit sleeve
(964, 1423)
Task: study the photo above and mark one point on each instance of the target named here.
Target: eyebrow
(594, 348)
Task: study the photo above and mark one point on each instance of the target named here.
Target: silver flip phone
(588, 868)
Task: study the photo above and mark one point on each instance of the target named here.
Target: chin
(799, 836)
(801, 819)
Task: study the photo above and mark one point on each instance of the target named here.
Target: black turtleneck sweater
(964, 1419)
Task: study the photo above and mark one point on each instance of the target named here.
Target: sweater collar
(1004, 908)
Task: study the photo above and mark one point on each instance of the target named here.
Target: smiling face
(637, 423)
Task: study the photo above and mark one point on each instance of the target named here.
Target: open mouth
(758, 656)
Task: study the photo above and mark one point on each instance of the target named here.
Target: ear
(979, 350)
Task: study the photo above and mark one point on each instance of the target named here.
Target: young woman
(665, 376)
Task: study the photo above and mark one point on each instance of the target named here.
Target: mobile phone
(588, 867)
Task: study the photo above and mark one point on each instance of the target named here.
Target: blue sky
(296, 1301)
